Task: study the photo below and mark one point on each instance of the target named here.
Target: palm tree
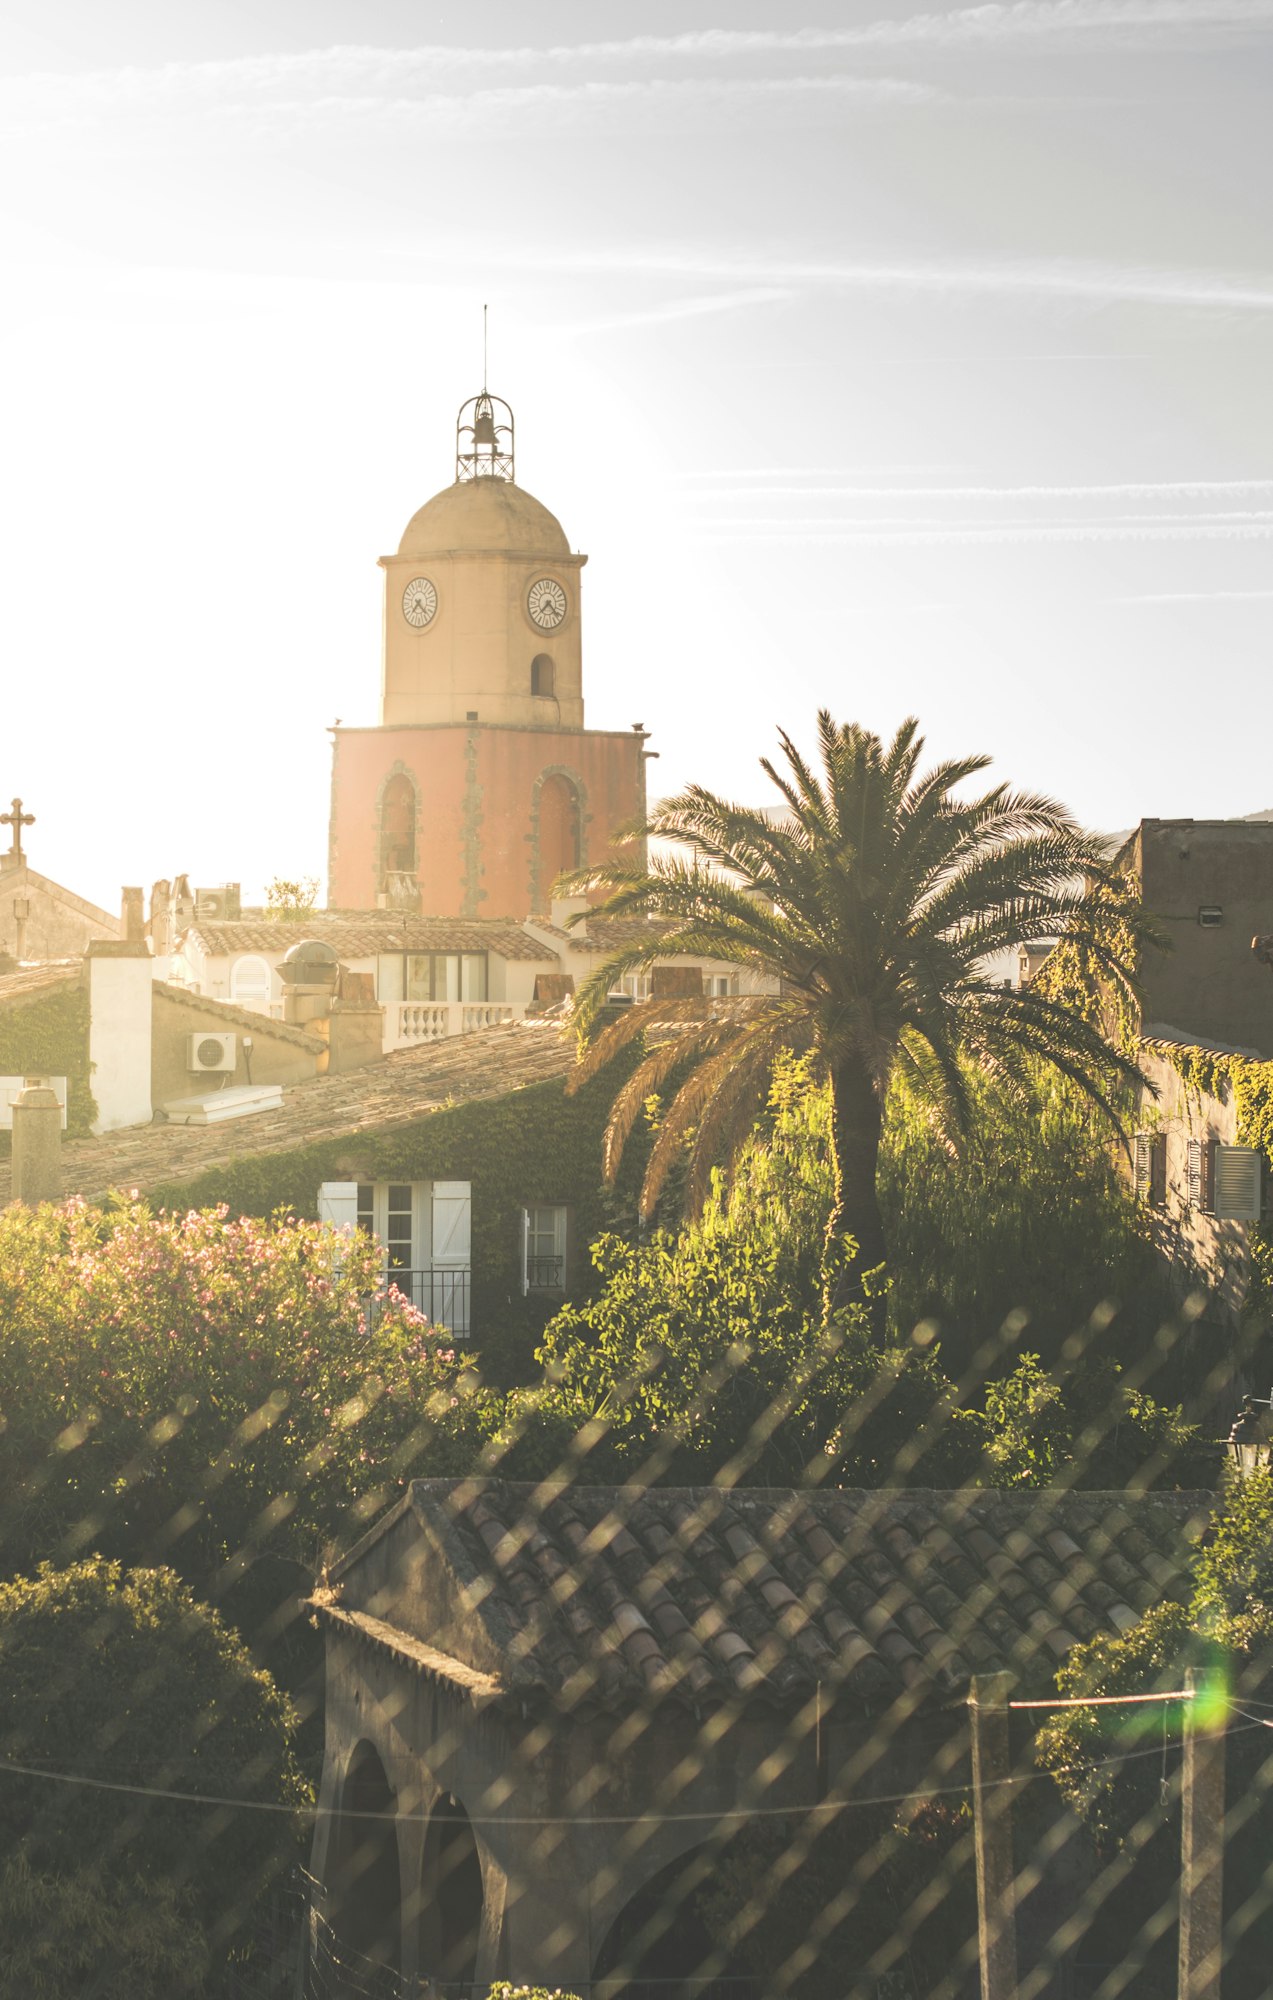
(876, 900)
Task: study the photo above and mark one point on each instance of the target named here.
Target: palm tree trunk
(856, 1120)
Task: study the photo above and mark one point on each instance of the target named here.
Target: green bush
(113, 1679)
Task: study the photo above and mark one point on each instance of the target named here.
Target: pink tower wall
(477, 849)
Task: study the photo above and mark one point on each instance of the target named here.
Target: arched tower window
(558, 834)
(541, 675)
(397, 826)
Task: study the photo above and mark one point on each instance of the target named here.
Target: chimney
(563, 908)
(37, 1143)
(120, 998)
(161, 919)
(133, 916)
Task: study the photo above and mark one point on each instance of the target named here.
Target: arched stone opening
(451, 1897)
(398, 807)
(543, 676)
(660, 1936)
(558, 833)
(364, 1875)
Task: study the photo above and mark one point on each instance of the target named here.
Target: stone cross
(17, 819)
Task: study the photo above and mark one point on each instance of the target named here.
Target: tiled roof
(614, 933)
(706, 1595)
(363, 933)
(32, 982)
(262, 1025)
(402, 1088)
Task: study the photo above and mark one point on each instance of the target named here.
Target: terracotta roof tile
(32, 982)
(402, 1088)
(363, 933)
(626, 1595)
(260, 1025)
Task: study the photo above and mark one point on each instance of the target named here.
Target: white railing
(410, 1022)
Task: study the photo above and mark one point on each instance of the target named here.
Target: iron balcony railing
(545, 1274)
(441, 1292)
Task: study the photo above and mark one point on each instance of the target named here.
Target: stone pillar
(21, 917)
(1202, 1836)
(119, 1033)
(37, 1143)
(992, 1834)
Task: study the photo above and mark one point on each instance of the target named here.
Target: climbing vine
(49, 1037)
(532, 1146)
(1072, 975)
(1249, 1082)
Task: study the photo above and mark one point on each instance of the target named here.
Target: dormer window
(541, 676)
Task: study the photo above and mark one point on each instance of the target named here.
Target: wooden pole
(1202, 1836)
(992, 1834)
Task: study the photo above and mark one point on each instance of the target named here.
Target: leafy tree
(1220, 1616)
(289, 899)
(704, 1352)
(116, 1937)
(125, 1687)
(877, 898)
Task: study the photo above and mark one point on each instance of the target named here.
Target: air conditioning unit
(218, 904)
(206, 1054)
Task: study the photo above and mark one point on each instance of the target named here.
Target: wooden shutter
(338, 1204)
(1144, 1163)
(1151, 1168)
(1200, 1175)
(452, 1224)
(1236, 1184)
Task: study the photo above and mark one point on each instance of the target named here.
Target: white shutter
(1235, 1187)
(338, 1204)
(452, 1224)
(525, 1251)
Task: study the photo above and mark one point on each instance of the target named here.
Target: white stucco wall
(119, 983)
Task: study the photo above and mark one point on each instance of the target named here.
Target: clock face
(546, 603)
(419, 602)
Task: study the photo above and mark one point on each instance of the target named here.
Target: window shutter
(1144, 1163)
(1201, 1175)
(338, 1204)
(1151, 1168)
(1236, 1195)
(452, 1224)
(1158, 1172)
(525, 1251)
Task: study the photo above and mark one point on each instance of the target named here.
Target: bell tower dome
(482, 599)
(479, 786)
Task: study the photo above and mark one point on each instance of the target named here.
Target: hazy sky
(890, 360)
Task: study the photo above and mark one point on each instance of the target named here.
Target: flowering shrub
(201, 1391)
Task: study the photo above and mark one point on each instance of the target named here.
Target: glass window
(545, 1248)
(399, 1232)
(431, 975)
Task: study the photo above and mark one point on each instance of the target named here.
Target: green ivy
(49, 1037)
(533, 1145)
(1250, 1084)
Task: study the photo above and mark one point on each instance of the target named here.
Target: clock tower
(480, 783)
